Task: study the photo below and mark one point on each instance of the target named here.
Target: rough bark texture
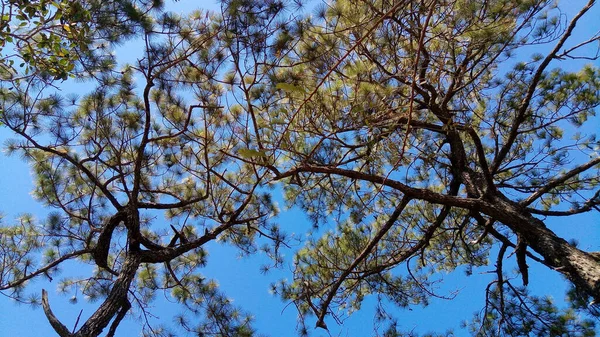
(578, 266)
(116, 300)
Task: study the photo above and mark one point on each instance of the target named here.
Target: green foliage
(44, 35)
(55, 40)
(137, 150)
(389, 99)
(514, 312)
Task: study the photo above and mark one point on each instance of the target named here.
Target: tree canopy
(419, 138)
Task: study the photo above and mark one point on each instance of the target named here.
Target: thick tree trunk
(578, 266)
(116, 300)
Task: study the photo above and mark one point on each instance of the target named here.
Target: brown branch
(137, 168)
(60, 328)
(520, 115)
(412, 192)
(487, 225)
(77, 320)
(114, 302)
(584, 43)
(503, 239)
(559, 180)
(120, 315)
(366, 251)
(169, 253)
(520, 253)
(45, 269)
(489, 179)
(590, 205)
(499, 273)
(102, 248)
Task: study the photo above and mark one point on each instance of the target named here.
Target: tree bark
(116, 300)
(578, 266)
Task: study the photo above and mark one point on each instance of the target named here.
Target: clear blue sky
(242, 281)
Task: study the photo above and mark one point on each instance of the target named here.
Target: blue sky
(241, 279)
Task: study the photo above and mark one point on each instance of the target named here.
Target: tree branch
(559, 180)
(412, 192)
(520, 115)
(102, 248)
(366, 251)
(60, 328)
(45, 269)
(120, 315)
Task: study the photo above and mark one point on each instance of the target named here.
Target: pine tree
(150, 136)
(424, 136)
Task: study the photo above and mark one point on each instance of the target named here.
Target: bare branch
(60, 328)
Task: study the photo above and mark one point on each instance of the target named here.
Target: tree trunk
(578, 266)
(116, 300)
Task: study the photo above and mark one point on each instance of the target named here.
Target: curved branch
(60, 328)
(137, 168)
(412, 192)
(169, 253)
(101, 250)
(122, 312)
